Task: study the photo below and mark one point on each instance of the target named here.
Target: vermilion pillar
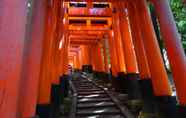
(156, 65)
(105, 57)
(61, 45)
(33, 50)
(80, 57)
(128, 47)
(118, 43)
(86, 58)
(92, 56)
(114, 61)
(54, 59)
(44, 94)
(12, 38)
(145, 77)
(113, 57)
(161, 87)
(65, 56)
(138, 44)
(86, 54)
(98, 59)
(132, 74)
(78, 61)
(174, 48)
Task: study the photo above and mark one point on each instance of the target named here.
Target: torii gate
(32, 63)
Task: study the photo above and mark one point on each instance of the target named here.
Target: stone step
(87, 112)
(87, 90)
(93, 100)
(101, 116)
(91, 92)
(95, 104)
(92, 96)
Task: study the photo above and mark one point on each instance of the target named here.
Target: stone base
(101, 75)
(43, 110)
(87, 68)
(64, 85)
(121, 83)
(133, 87)
(55, 100)
(147, 96)
(166, 106)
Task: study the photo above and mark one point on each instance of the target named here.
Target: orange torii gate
(32, 63)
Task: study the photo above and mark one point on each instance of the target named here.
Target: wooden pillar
(61, 45)
(114, 61)
(117, 41)
(92, 56)
(138, 43)
(78, 61)
(98, 59)
(174, 48)
(153, 53)
(106, 66)
(65, 56)
(80, 57)
(86, 54)
(12, 37)
(48, 77)
(161, 86)
(32, 62)
(56, 57)
(113, 57)
(145, 81)
(128, 47)
(132, 75)
(44, 95)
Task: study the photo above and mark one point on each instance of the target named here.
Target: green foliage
(179, 12)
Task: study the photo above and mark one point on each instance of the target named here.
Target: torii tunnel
(46, 46)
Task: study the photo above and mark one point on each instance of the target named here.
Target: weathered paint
(173, 46)
(158, 73)
(12, 37)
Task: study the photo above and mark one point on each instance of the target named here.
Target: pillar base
(87, 68)
(55, 100)
(64, 86)
(133, 88)
(181, 111)
(147, 96)
(166, 106)
(101, 75)
(122, 83)
(43, 110)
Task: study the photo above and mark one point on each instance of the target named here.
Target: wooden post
(145, 77)
(118, 43)
(44, 107)
(105, 56)
(161, 87)
(174, 48)
(12, 37)
(112, 51)
(132, 74)
(32, 62)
